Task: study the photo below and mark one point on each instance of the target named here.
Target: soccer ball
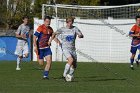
(69, 78)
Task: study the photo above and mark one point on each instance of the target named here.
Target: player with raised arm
(22, 34)
(66, 37)
(135, 45)
(42, 40)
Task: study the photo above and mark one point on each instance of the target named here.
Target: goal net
(105, 30)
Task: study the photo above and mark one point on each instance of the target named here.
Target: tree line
(11, 11)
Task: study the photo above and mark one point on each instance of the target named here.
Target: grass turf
(89, 78)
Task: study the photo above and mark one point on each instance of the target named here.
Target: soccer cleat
(45, 77)
(131, 66)
(18, 68)
(63, 77)
(137, 62)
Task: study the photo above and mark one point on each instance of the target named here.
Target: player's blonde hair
(71, 18)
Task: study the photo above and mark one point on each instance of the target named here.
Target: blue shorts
(44, 52)
(134, 49)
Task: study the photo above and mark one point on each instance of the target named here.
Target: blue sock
(46, 73)
(139, 57)
(131, 60)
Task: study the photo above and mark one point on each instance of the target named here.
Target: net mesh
(105, 30)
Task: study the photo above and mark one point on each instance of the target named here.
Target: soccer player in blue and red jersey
(135, 45)
(42, 40)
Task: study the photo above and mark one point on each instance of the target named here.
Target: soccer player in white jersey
(66, 37)
(22, 34)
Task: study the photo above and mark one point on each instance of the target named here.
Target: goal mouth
(105, 30)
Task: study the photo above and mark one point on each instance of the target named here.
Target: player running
(42, 43)
(22, 34)
(135, 34)
(66, 36)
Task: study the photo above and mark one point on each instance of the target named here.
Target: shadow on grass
(99, 78)
(91, 78)
(109, 79)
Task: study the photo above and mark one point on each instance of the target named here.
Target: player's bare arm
(57, 41)
(34, 42)
(50, 40)
(55, 38)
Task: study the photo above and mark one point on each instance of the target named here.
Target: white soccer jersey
(22, 44)
(67, 39)
(67, 36)
(23, 30)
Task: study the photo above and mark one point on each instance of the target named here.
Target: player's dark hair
(24, 17)
(138, 16)
(47, 17)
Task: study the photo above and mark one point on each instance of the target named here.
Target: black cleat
(137, 62)
(44, 77)
(132, 67)
(64, 78)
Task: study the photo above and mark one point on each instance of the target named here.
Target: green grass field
(89, 78)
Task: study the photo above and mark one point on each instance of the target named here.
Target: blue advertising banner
(7, 48)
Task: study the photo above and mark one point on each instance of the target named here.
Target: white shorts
(71, 53)
(21, 48)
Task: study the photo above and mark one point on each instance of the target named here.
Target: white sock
(67, 67)
(24, 56)
(18, 62)
(71, 71)
(136, 59)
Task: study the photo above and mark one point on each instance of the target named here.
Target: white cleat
(18, 68)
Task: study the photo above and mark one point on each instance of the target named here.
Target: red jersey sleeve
(39, 29)
(133, 29)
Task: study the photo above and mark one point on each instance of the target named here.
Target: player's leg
(138, 58)
(73, 67)
(41, 63)
(48, 57)
(18, 52)
(41, 57)
(19, 58)
(132, 61)
(48, 66)
(67, 66)
(74, 64)
(69, 57)
(37, 54)
(25, 50)
(133, 51)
